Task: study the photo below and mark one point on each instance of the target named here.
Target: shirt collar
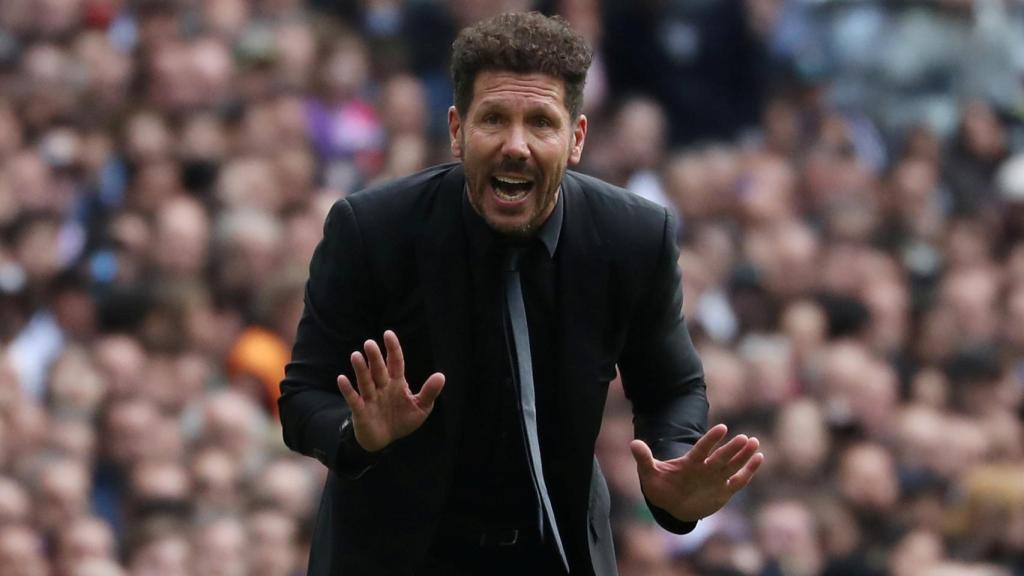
(482, 236)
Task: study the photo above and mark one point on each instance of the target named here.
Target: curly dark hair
(523, 42)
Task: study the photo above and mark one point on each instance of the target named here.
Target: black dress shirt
(492, 485)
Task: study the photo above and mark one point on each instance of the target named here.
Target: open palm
(700, 482)
(384, 409)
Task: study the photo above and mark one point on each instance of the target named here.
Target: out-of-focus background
(849, 176)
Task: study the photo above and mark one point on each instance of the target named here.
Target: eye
(491, 118)
(542, 122)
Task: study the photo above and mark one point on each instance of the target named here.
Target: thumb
(430, 391)
(643, 455)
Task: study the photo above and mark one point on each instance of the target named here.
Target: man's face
(515, 141)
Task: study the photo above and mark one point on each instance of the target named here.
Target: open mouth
(511, 188)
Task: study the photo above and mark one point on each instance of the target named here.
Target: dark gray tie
(527, 397)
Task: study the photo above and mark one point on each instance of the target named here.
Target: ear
(454, 132)
(579, 135)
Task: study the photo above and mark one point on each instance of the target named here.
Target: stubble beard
(522, 231)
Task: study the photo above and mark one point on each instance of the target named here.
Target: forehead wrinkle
(514, 102)
(515, 88)
(520, 91)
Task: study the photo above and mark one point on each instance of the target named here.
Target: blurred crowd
(849, 179)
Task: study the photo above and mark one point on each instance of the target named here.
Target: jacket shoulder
(621, 217)
(399, 201)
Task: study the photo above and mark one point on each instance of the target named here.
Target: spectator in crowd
(22, 552)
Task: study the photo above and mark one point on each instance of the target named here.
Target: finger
(364, 380)
(702, 449)
(430, 391)
(740, 479)
(740, 459)
(352, 398)
(378, 368)
(644, 457)
(396, 360)
(725, 453)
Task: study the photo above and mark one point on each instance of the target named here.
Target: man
(516, 287)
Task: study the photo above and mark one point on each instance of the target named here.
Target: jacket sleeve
(337, 318)
(661, 372)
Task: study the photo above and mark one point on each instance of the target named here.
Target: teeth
(506, 196)
(511, 180)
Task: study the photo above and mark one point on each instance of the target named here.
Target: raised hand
(700, 482)
(385, 409)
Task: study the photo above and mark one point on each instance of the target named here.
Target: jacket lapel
(444, 271)
(583, 310)
(582, 380)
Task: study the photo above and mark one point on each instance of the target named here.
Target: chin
(513, 229)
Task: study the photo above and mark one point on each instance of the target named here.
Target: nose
(515, 146)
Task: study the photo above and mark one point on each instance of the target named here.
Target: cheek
(550, 154)
(478, 149)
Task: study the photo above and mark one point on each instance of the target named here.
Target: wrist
(350, 432)
(354, 458)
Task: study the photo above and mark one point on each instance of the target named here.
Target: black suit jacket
(395, 257)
